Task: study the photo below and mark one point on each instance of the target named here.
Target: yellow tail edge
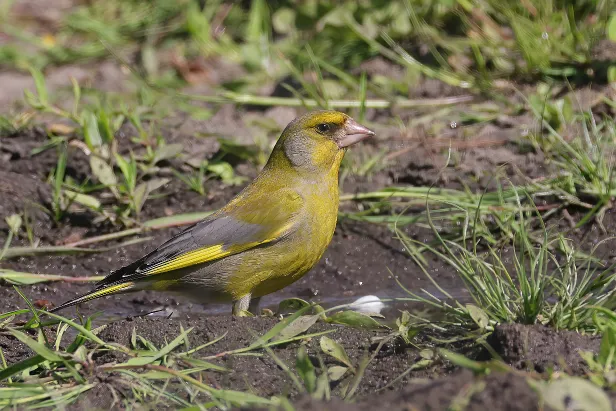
(112, 289)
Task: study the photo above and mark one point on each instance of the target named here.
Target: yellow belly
(264, 270)
(268, 269)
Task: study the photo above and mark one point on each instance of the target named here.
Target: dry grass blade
(16, 277)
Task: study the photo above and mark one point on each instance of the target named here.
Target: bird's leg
(240, 307)
(253, 307)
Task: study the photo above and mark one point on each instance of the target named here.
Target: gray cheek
(296, 150)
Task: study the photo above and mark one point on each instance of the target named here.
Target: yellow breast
(265, 270)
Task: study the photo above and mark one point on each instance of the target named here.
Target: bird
(267, 237)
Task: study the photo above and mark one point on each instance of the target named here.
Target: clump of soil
(539, 348)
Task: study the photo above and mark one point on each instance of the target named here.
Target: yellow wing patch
(210, 253)
(109, 290)
(201, 255)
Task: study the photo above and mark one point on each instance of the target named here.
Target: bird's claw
(243, 313)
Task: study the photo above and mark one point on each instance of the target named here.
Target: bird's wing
(257, 219)
(247, 223)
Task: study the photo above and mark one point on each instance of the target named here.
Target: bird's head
(317, 141)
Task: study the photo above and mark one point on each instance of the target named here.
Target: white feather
(368, 304)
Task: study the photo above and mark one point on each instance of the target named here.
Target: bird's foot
(244, 313)
(240, 307)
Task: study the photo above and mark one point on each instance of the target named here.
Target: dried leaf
(336, 372)
(14, 222)
(103, 171)
(42, 303)
(149, 59)
(60, 129)
(478, 315)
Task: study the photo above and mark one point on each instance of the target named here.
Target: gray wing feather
(217, 229)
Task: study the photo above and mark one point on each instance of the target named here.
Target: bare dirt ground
(436, 387)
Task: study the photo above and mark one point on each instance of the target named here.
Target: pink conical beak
(354, 133)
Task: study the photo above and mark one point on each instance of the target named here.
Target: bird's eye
(323, 127)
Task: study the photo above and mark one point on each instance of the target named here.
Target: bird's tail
(96, 293)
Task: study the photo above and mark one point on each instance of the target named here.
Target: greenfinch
(267, 237)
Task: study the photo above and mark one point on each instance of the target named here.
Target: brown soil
(540, 348)
(437, 387)
(262, 375)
